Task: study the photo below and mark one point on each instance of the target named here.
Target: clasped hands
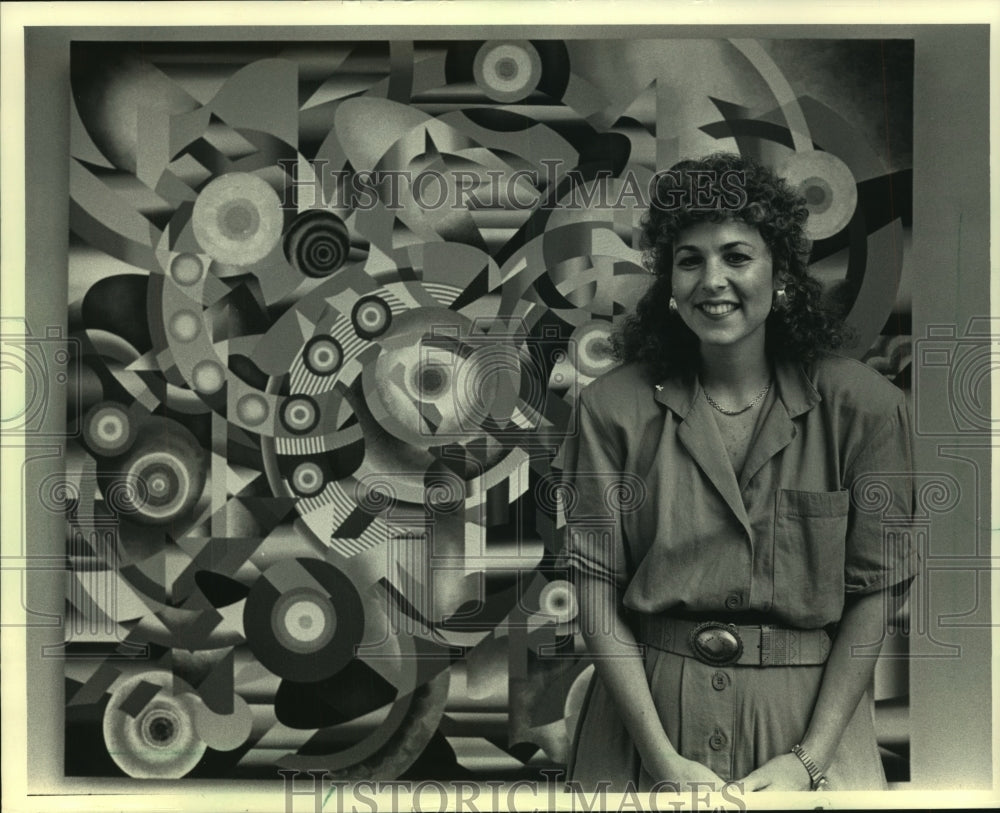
(782, 773)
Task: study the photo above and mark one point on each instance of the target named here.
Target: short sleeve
(881, 548)
(591, 477)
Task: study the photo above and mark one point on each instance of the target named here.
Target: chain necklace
(725, 411)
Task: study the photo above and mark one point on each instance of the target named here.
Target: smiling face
(723, 282)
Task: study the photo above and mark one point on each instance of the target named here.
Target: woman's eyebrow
(724, 247)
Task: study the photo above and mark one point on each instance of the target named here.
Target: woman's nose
(713, 276)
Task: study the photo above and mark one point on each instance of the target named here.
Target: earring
(673, 304)
(780, 298)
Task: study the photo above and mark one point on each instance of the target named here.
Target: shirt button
(733, 600)
(718, 740)
(719, 681)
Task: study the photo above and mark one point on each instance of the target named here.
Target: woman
(735, 609)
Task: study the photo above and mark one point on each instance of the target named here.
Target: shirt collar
(795, 390)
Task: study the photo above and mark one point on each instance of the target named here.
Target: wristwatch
(816, 776)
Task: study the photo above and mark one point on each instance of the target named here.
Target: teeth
(718, 310)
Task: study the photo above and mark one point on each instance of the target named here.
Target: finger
(756, 780)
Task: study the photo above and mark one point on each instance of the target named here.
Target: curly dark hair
(741, 188)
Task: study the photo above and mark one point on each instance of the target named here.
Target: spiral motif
(939, 495)
(317, 243)
(375, 495)
(626, 494)
(969, 386)
(57, 494)
(127, 495)
(872, 494)
(551, 494)
(444, 493)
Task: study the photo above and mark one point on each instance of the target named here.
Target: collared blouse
(821, 509)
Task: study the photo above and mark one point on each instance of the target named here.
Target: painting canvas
(307, 314)
(333, 303)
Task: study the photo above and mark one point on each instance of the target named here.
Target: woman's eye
(690, 261)
(735, 258)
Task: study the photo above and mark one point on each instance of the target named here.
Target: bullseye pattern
(323, 355)
(149, 731)
(307, 479)
(237, 219)
(299, 414)
(371, 317)
(303, 618)
(558, 599)
(592, 341)
(507, 71)
(108, 429)
(317, 244)
(828, 186)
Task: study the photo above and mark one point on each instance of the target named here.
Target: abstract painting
(331, 305)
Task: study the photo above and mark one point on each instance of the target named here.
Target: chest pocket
(810, 530)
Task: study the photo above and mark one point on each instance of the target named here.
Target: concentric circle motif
(507, 70)
(317, 243)
(108, 429)
(828, 186)
(303, 619)
(593, 348)
(237, 219)
(186, 269)
(155, 739)
(558, 599)
(323, 355)
(307, 479)
(166, 485)
(299, 414)
(371, 317)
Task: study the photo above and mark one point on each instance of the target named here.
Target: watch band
(816, 776)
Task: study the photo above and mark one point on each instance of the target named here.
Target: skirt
(732, 719)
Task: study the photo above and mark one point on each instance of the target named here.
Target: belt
(720, 644)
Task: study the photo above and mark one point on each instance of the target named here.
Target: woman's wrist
(817, 775)
(818, 751)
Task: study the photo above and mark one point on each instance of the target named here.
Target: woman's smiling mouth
(718, 308)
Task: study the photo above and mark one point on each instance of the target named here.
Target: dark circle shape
(431, 379)
(161, 728)
(321, 585)
(371, 317)
(299, 414)
(506, 68)
(323, 355)
(317, 243)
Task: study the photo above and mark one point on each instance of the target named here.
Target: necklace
(725, 411)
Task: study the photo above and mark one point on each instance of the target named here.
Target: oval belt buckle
(715, 643)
